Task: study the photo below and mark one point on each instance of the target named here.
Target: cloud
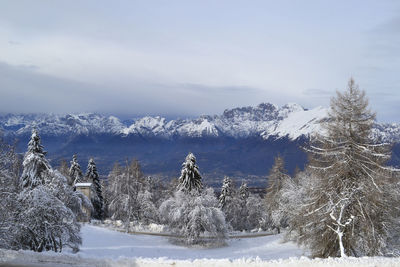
(188, 58)
(317, 92)
(24, 90)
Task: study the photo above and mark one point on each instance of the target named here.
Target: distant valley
(241, 142)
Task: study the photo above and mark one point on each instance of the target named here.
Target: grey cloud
(24, 90)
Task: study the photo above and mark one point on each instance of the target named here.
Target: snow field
(104, 247)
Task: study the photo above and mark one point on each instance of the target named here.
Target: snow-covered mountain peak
(265, 120)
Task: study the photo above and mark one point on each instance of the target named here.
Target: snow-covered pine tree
(244, 191)
(227, 191)
(42, 220)
(192, 212)
(75, 172)
(348, 203)
(97, 192)
(231, 204)
(35, 164)
(276, 178)
(190, 178)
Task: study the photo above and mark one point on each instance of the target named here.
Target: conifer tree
(35, 164)
(244, 191)
(227, 191)
(190, 178)
(97, 194)
(75, 171)
(231, 204)
(347, 208)
(42, 219)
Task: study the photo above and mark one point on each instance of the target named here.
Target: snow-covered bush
(195, 217)
(44, 222)
(41, 219)
(73, 199)
(129, 195)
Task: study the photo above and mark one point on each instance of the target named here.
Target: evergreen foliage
(244, 191)
(97, 192)
(35, 164)
(38, 217)
(190, 178)
(75, 172)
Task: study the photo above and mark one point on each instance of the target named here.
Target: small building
(86, 189)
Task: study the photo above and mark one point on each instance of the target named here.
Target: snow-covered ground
(101, 242)
(104, 247)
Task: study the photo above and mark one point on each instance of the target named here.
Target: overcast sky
(195, 57)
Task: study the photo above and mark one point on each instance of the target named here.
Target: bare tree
(276, 179)
(129, 197)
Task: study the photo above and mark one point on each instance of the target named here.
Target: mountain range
(241, 142)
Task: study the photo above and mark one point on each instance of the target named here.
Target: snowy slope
(265, 120)
(102, 247)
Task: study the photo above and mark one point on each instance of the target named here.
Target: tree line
(344, 203)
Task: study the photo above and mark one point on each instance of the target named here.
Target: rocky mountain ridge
(265, 120)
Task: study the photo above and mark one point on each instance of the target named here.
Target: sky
(186, 58)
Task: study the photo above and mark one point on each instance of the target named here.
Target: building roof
(83, 184)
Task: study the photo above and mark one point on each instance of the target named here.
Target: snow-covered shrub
(130, 196)
(195, 217)
(41, 218)
(44, 222)
(73, 199)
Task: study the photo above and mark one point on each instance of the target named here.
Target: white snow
(264, 120)
(104, 247)
(83, 184)
(105, 243)
(296, 124)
